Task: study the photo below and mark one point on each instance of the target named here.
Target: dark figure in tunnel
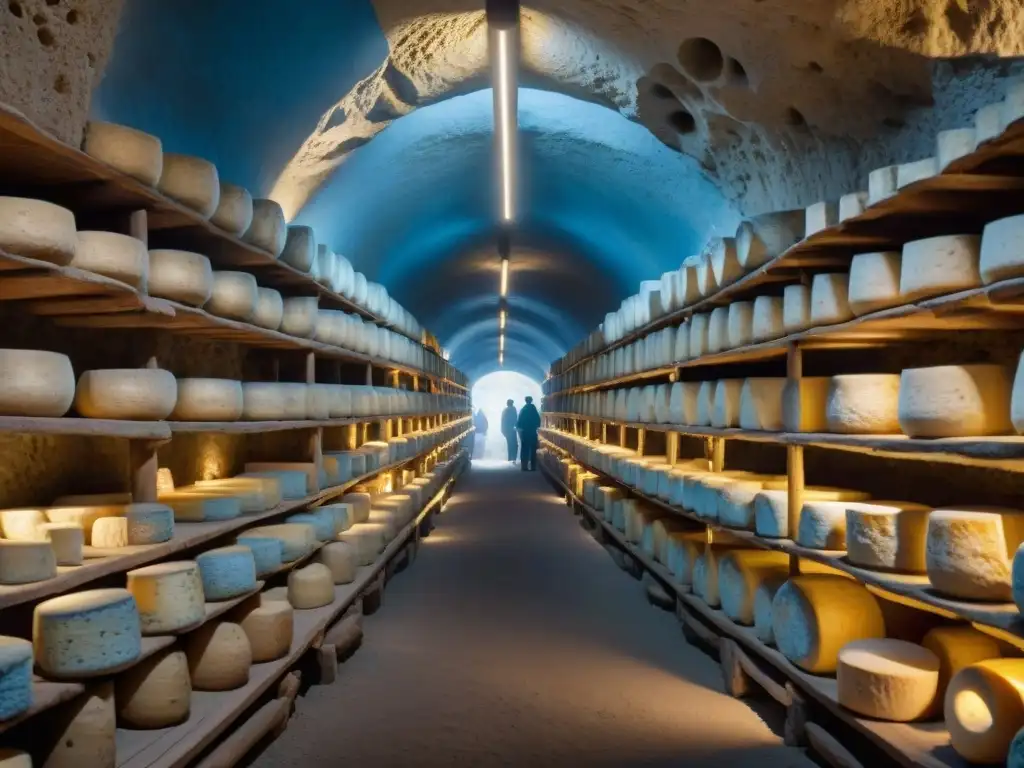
(508, 429)
(528, 424)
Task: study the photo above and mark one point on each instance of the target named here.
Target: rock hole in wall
(662, 91)
(45, 37)
(72, 17)
(53, 2)
(15, 9)
(39, 19)
(701, 59)
(815, 67)
(682, 121)
(61, 84)
(91, 58)
(795, 118)
(737, 74)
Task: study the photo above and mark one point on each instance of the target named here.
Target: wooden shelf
(71, 425)
(247, 427)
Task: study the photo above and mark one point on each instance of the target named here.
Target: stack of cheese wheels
(740, 573)
(863, 404)
(234, 209)
(16, 673)
(887, 535)
(266, 553)
(169, 597)
(805, 403)
(86, 634)
(219, 656)
(37, 229)
(67, 541)
(156, 693)
(939, 265)
(955, 401)
(24, 562)
(887, 679)
(815, 615)
(969, 551)
(958, 647)
(35, 383)
(180, 276)
(269, 625)
(268, 229)
(269, 309)
(297, 539)
(113, 255)
(874, 281)
(273, 401)
(227, 572)
(130, 151)
(191, 181)
(235, 295)
(311, 587)
(984, 709)
(84, 732)
(208, 400)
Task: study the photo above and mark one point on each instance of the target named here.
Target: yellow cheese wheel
(970, 551)
(269, 625)
(156, 693)
(740, 573)
(957, 647)
(984, 709)
(219, 656)
(887, 679)
(956, 401)
(887, 535)
(311, 587)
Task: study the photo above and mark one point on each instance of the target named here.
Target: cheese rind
(227, 572)
(180, 276)
(300, 316)
(340, 557)
(21, 524)
(234, 296)
(887, 679)
(113, 255)
(367, 542)
(819, 216)
(15, 676)
(910, 173)
(882, 183)
(767, 319)
(939, 265)
(322, 523)
(955, 401)
(269, 309)
(191, 506)
(191, 181)
(35, 383)
(37, 229)
(805, 404)
(763, 596)
(234, 209)
(67, 540)
(269, 625)
(297, 539)
(822, 525)
(957, 647)
(208, 400)
(219, 656)
(984, 710)
(740, 572)
(969, 551)
(311, 587)
(852, 204)
(85, 732)
(169, 596)
(266, 553)
(142, 394)
(761, 404)
(130, 151)
(156, 693)
(796, 308)
(726, 405)
(874, 281)
(863, 404)
(299, 248)
(110, 533)
(86, 634)
(268, 229)
(1000, 257)
(24, 562)
(887, 535)
(830, 299)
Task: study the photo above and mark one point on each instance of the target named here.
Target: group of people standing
(520, 432)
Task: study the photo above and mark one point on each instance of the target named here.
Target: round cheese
(698, 335)
(273, 401)
(86, 731)
(767, 319)
(740, 572)
(819, 216)
(969, 551)
(724, 263)
(882, 183)
(180, 276)
(290, 482)
(219, 656)
(67, 541)
(113, 255)
(340, 558)
(736, 503)
(268, 229)
(15, 676)
(130, 151)
(192, 507)
(953, 144)
(37, 229)
(234, 209)
(984, 709)
(110, 533)
(86, 634)
(957, 647)
(227, 572)
(311, 587)
(234, 296)
(863, 404)
(156, 693)
(169, 596)
(805, 404)
(705, 578)
(322, 523)
(24, 562)
(764, 237)
(887, 679)
(1000, 258)
(300, 316)
(208, 400)
(939, 265)
(267, 553)
(297, 539)
(191, 181)
(909, 173)
(874, 281)
(361, 503)
(887, 535)
(366, 540)
(318, 401)
(726, 409)
(85, 516)
(761, 404)
(269, 309)
(269, 625)
(299, 248)
(830, 299)
(718, 330)
(705, 403)
(768, 585)
(21, 524)
(35, 383)
(955, 401)
(852, 204)
(796, 307)
(741, 324)
(815, 615)
(142, 394)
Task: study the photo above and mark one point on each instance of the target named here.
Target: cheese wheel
(267, 553)
(85, 516)
(142, 394)
(67, 541)
(952, 145)
(767, 319)
(311, 587)
(234, 296)
(35, 383)
(268, 489)
(852, 204)
(14, 758)
(682, 549)
(766, 236)
(882, 183)
(726, 407)
(322, 523)
(796, 308)
(22, 524)
(268, 229)
(110, 533)
(193, 507)
(761, 404)
(366, 540)
(86, 634)
(84, 732)
(308, 468)
(130, 151)
(718, 330)
(863, 404)
(37, 229)
(910, 173)
(361, 503)
(705, 577)
(819, 216)
(15, 676)
(180, 276)
(340, 557)
(814, 615)
(300, 316)
(291, 482)
(957, 647)
(219, 656)
(705, 404)
(24, 562)
(169, 596)
(191, 181)
(771, 507)
(874, 281)
(988, 123)
(999, 259)
(227, 572)
(887, 535)
(822, 525)
(269, 309)
(699, 335)
(805, 404)
(969, 551)
(887, 679)
(736, 502)
(297, 539)
(299, 248)
(208, 400)
(955, 401)
(830, 299)
(767, 586)
(113, 255)
(984, 709)
(156, 693)
(740, 572)
(740, 325)
(234, 209)
(724, 263)
(939, 265)
(269, 626)
(273, 401)
(318, 401)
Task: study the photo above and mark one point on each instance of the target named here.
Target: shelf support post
(794, 453)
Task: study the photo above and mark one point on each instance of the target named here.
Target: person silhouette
(508, 429)
(528, 423)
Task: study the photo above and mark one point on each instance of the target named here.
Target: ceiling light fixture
(505, 118)
(504, 278)
(501, 319)
(501, 343)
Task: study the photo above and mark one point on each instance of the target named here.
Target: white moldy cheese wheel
(796, 308)
(21, 524)
(156, 693)
(887, 679)
(269, 625)
(766, 236)
(909, 173)
(882, 183)
(863, 404)
(37, 229)
(726, 408)
(874, 281)
(822, 525)
(269, 309)
(887, 535)
(955, 401)
(830, 299)
(130, 151)
(723, 261)
(820, 216)
(763, 596)
(984, 709)
(142, 394)
(699, 335)
(705, 403)
(113, 255)
(24, 562)
(67, 540)
(86, 634)
(366, 541)
(234, 296)
(234, 209)
(815, 615)
(852, 204)
(110, 533)
(299, 248)
(35, 383)
(741, 324)
(191, 181)
(268, 229)
(311, 587)
(939, 265)
(805, 404)
(340, 558)
(208, 400)
(740, 572)
(718, 330)
(227, 572)
(970, 551)
(1000, 257)
(297, 539)
(180, 276)
(766, 319)
(219, 657)
(957, 647)
(300, 316)
(952, 145)
(273, 401)
(761, 404)
(169, 596)
(15, 676)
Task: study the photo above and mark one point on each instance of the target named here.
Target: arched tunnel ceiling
(645, 127)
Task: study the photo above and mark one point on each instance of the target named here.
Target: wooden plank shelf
(248, 427)
(73, 426)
